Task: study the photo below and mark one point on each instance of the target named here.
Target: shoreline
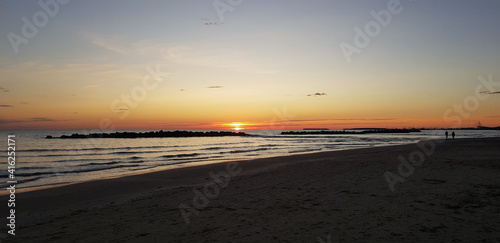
(180, 166)
(207, 163)
(302, 196)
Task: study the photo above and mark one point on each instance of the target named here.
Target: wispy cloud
(108, 44)
(28, 120)
(124, 46)
(345, 119)
(328, 122)
(215, 57)
(317, 94)
(5, 106)
(215, 87)
(40, 119)
(4, 89)
(490, 92)
(209, 57)
(121, 110)
(199, 55)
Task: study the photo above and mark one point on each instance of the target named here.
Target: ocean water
(41, 161)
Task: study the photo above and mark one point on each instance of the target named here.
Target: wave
(41, 173)
(133, 152)
(98, 149)
(272, 145)
(113, 163)
(101, 154)
(21, 181)
(305, 150)
(180, 155)
(188, 158)
(73, 161)
(213, 148)
(109, 163)
(244, 151)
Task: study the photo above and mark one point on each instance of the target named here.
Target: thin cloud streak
(317, 94)
(346, 119)
(203, 56)
(28, 120)
(490, 92)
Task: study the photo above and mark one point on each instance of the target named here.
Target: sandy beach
(443, 191)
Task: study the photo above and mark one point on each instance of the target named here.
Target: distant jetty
(349, 131)
(152, 134)
(309, 132)
(385, 130)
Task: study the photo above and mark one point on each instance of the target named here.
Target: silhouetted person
(453, 135)
(446, 134)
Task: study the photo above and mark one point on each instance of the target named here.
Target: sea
(44, 162)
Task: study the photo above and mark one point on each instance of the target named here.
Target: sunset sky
(274, 64)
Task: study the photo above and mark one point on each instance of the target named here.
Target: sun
(237, 126)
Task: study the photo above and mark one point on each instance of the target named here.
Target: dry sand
(454, 196)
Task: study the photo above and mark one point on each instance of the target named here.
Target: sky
(241, 64)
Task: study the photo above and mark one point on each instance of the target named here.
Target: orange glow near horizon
(160, 124)
(237, 126)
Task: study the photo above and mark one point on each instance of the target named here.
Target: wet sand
(452, 194)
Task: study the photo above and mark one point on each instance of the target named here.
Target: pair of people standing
(452, 135)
